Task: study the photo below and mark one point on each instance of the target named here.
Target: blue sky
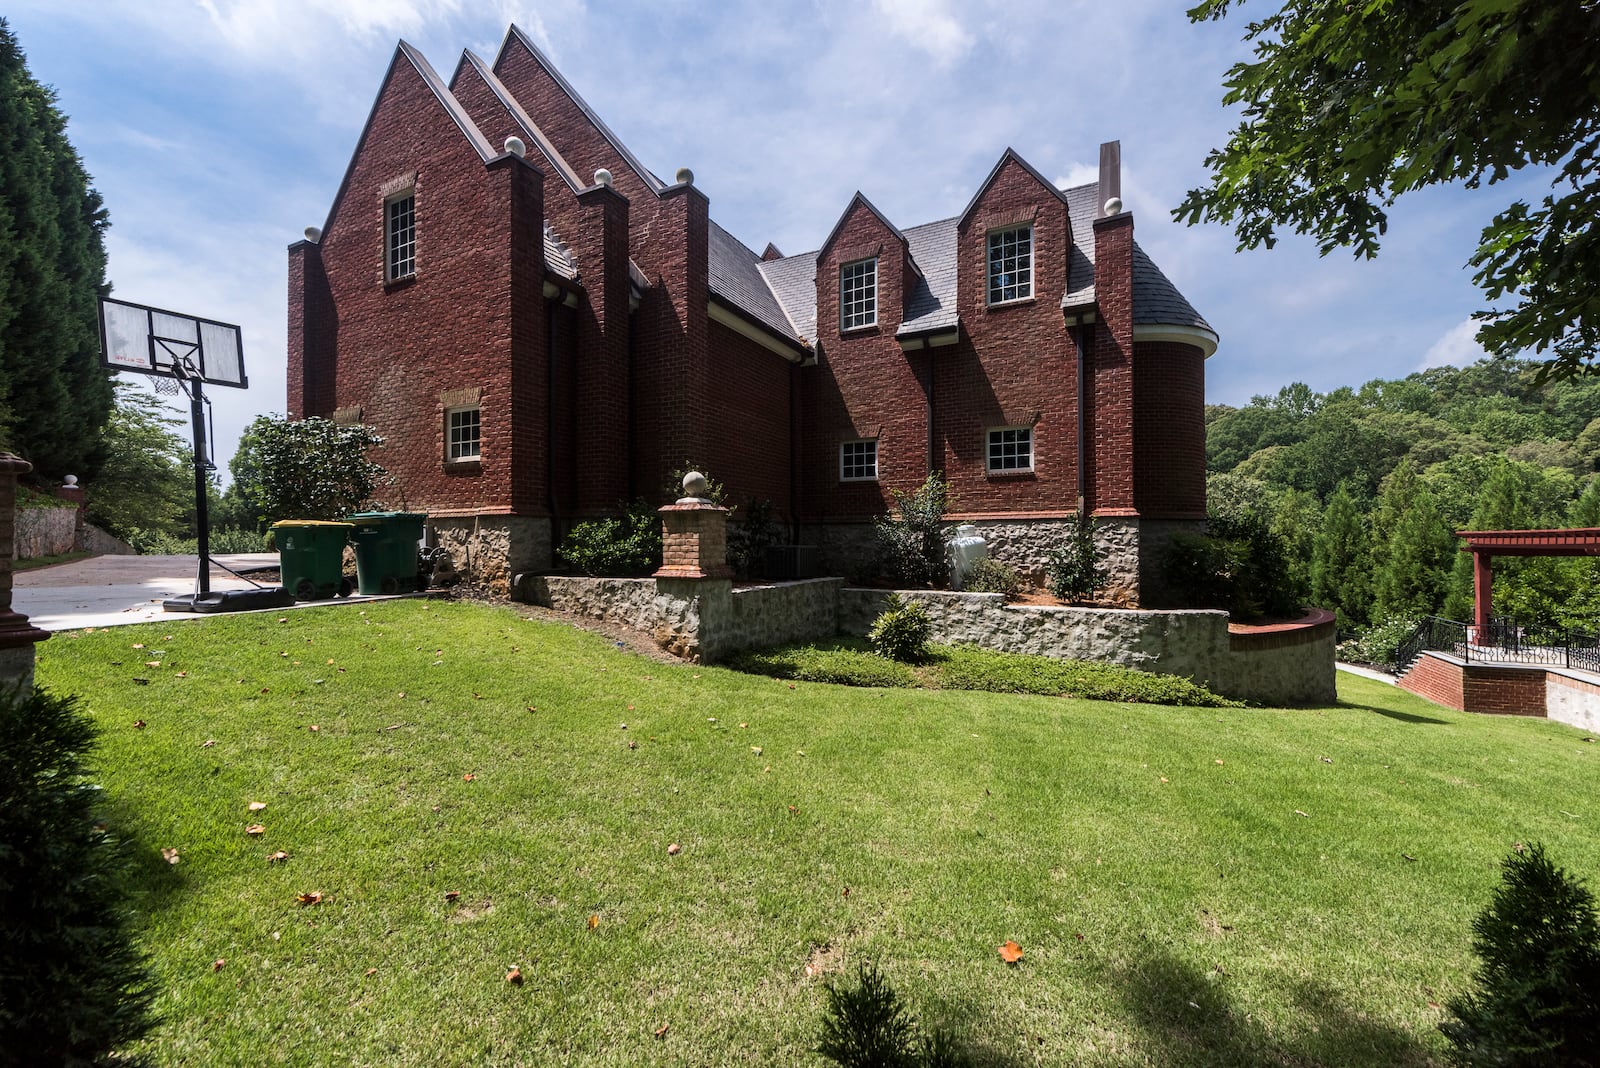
(217, 130)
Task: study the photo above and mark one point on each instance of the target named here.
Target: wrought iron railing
(1502, 641)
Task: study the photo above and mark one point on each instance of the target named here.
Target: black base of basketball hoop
(260, 599)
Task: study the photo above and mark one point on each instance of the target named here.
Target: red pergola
(1485, 545)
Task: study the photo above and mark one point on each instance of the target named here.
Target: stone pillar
(71, 491)
(17, 635)
(694, 583)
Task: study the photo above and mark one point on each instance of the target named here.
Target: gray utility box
(786, 563)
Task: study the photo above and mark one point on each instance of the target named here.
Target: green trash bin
(386, 550)
(311, 558)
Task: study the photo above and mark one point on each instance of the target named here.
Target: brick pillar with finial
(17, 635)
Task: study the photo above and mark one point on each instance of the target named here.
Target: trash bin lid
(308, 523)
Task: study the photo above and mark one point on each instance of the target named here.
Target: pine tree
(1341, 560)
(1414, 576)
(54, 394)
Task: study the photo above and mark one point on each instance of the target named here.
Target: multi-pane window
(1010, 264)
(400, 237)
(1011, 449)
(858, 294)
(858, 461)
(463, 434)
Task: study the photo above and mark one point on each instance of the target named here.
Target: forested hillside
(1366, 487)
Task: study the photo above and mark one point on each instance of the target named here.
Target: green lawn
(1190, 886)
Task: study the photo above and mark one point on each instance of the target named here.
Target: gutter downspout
(1084, 344)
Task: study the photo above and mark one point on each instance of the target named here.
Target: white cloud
(929, 25)
(1457, 347)
(1077, 174)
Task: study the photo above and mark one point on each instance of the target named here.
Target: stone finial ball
(694, 484)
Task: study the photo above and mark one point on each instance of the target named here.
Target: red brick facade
(1496, 689)
(642, 344)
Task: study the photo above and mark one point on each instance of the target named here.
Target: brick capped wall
(1016, 365)
(748, 430)
(1438, 680)
(1169, 431)
(471, 319)
(1498, 689)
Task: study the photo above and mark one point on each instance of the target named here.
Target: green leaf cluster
(1347, 106)
(627, 546)
(310, 468)
(911, 544)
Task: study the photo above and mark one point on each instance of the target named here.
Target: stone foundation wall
(493, 549)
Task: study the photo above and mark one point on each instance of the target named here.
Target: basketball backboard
(151, 341)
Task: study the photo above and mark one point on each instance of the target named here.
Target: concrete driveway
(105, 591)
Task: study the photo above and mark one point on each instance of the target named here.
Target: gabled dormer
(863, 269)
(1014, 241)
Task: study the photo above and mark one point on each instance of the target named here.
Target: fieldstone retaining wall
(708, 620)
(494, 548)
(45, 531)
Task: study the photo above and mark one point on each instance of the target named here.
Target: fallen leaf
(170, 856)
(314, 898)
(625, 726)
(791, 686)
(330, 659)
(1163, 779)
(1219, 762)
(594, 921)
(313, 728)
(1326, 760)
(277, 858)
(793, 810)
(182, 675)
(1307, 815)
(1010, 952)
(402, 693)
(1409, 857)
(257, 806)
(152, 663)
(632, 744)
(1517, 847)
(451, 895)
(846, 892)
(674, 849)
(468, 777)
(138, 724)
(514, 977)
(277, 936)
(138, 645)
(1079, 936)
(743, 725)
(137, 681)
(371, 971)
(217, 964)
(255, 828)
(208, 743)
(756, 749)
(661, 1032)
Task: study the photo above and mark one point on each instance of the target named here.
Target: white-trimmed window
(400, 237)
(858, 461)
(1010, 450)
(463, 434)
(1010, 264)
(858, 294)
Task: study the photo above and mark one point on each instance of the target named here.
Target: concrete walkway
(105, 591)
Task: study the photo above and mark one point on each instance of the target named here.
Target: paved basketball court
(105, 591)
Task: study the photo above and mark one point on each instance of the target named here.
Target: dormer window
(858, 294)
(1010, 264)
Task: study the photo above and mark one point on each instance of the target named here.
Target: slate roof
(931, 300)
(734, 275)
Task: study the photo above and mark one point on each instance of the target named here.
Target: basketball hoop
(166, 387)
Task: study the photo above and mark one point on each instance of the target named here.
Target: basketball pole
(202, 519)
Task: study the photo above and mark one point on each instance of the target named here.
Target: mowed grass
(1189, 886)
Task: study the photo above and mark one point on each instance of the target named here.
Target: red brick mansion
(541, 328)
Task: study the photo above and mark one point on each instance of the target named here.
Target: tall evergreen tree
(1415, 572)
(54, 395)
(1341, 560)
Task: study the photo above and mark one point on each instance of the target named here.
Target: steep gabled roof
(859, 198)
(1080, 260)
(734, 275)
(931, 299)
(452, 106)
(644, 173)
(994, 172)
(794, 283)
(530, 129)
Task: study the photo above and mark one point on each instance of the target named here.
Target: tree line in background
(1363, 489)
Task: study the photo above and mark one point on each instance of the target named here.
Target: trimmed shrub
(1241, 567)
(75, 987)
(989, 575)
(901, 631)
(970, 667)
(1075, 565)
(628, 546)
(1538, 982)
(911, 548)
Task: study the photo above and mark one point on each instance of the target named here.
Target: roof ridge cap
(520, 116)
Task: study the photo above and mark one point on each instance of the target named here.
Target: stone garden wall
(708, 620)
